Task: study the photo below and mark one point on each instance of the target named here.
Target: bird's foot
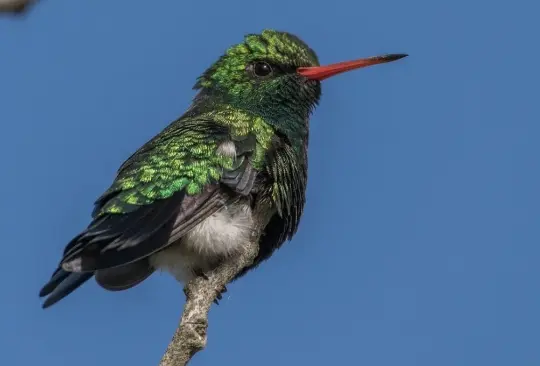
(222, 290)
(219, 294)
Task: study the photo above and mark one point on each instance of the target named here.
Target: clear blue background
(420, 241)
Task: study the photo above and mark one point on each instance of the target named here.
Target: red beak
(323, 72)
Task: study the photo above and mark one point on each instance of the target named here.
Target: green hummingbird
(185, 201)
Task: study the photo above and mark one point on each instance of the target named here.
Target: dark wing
(161, 192)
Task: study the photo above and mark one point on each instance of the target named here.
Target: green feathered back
(184, 156)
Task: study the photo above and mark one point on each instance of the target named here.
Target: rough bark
(190, 336)
(15, 6)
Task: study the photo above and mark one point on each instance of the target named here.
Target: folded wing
(171, 184)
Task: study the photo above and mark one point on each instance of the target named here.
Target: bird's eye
(262, 69)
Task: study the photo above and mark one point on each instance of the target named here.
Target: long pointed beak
(324, 72)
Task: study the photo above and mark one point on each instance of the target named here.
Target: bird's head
(274, 75)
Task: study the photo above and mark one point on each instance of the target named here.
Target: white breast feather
(221, 234)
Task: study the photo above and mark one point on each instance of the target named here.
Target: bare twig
(15, 6)
(190, 336)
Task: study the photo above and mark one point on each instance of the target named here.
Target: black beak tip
(395, 56)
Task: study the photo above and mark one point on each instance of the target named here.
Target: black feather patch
(62, 284)
(118, 239)
(124, 277)
(115, 247)
(288, 173)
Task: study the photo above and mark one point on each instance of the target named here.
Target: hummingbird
(186, 200)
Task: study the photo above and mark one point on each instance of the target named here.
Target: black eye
(262, 69)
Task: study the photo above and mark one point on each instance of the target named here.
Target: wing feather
(161, 192)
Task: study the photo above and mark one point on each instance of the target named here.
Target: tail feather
(124, 277)
(116, 247)
(62, 283)
(58, 276)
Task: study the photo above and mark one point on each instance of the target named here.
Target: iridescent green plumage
(194, 195)
(231, 172)
(242, 144)
(278, 48)
(184, 156)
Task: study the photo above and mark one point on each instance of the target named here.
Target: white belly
(220, 235)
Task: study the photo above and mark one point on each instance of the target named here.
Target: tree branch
(15, 6)
(190, 336)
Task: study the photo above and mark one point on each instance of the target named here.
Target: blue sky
(420, 241)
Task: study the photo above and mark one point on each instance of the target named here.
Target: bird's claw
(200, 273)
(219, 295)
